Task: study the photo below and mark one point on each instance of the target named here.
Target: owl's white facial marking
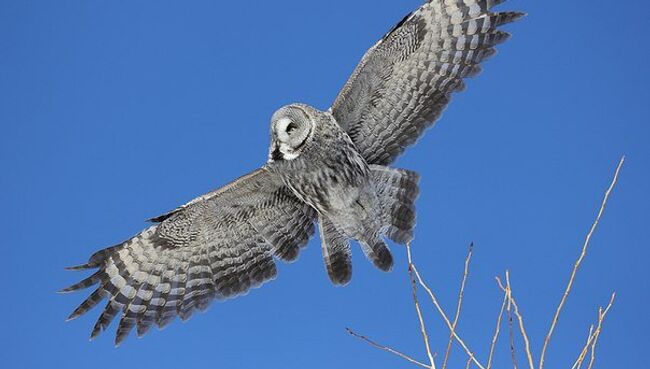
(291, 129)
(284, 128)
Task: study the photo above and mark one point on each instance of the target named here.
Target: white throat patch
(287, 152)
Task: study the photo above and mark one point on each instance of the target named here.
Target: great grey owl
(326, 167)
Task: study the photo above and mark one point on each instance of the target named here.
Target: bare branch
(386, 348)
(445, 318)
(522, 327)
(497, 329)
(593, 345)
(593, 338)
(459, 305)
(578, 263)
(423, 329)
(582, 357)
(513, 355)
(599, 328)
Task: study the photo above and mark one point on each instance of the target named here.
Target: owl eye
(291, 127)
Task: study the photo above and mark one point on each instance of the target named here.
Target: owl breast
(332, 177)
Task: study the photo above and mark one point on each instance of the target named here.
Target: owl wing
(405, 81)
(217, 246)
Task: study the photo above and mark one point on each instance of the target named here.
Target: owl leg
(336, 252)
(396, 190)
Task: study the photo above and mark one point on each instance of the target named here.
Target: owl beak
(275, 154)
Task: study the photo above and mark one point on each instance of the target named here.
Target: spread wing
(405, 81)
(217, 246)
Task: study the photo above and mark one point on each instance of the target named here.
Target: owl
(329, 168)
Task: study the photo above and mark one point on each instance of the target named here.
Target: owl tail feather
(397, 190)
(336, 252)
(377, 251)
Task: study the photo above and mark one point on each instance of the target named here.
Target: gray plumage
(326, 167)
(405, 81)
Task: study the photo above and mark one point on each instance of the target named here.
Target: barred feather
(336, 253)
(205, 250)
(397, 190)
(405, 81)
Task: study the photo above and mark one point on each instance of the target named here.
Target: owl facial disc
(291, 129)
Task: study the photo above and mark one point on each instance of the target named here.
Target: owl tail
(337, 255)
(336, 252)
(397, 190)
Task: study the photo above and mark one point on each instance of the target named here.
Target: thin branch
(469, 363)
(578, 263)
(593, 345)
(581, 358)
(599, 329)
(423, 329)
(593, 338)
(522, 327)
(497, 329)
(512, 337)
(445, 318)
(583, 353)
(459, 304)
(386, 348)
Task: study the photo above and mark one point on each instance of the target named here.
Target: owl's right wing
(217, 246)
(405, 81)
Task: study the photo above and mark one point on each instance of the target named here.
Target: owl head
(292, 128)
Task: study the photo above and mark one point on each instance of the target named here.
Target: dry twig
(578, 263)
(461, 292)
(445, 318)
(580, 360)
(522, 327)
(593, 345)
(469, 363)
(593, 337)
(497, 329)
(513, 355)
(423, 329)
(386, 348)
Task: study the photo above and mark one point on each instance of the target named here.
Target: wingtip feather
(93, 334)
(85, 283)
(503, 18)
(81, 267)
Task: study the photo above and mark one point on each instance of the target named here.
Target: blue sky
(113, 112)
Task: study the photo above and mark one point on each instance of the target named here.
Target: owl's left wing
(405, 81)
(217, 246)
